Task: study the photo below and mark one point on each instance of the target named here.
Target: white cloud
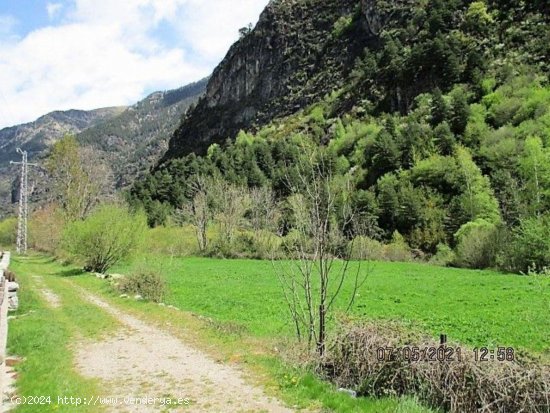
(53, 9)
(213, 25)
(105, 53)
(7, 25)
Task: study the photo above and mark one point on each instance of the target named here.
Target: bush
(444, 256)
(463, 385)
(108, 235)
(8, 232)
(478, 244)
(171, 240)
(531, 245)
(46, 229)
(367, 248)
(148, 284)
(341, 25)
(398, 250)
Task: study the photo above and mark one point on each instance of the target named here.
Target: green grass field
(478, 308)
(43, 336)
(243, 300)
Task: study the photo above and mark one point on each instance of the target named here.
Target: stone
(13, 286)
(13, 302)
(264, 74)
(352, 393)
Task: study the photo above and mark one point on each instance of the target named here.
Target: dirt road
(143, 361)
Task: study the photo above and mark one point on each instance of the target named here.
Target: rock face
(295, 55)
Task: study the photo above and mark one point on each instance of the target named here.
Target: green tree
(80, 180)
(8, 232)
(477, 199)
(534, 167)
(444, 138)
(478, 19)
(477, 244)
(531, 244)
(105, 237)
(439, 110)
(459, 112)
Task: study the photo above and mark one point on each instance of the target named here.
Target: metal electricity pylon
(23, 202)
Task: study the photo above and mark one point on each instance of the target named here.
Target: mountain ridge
(129, 137)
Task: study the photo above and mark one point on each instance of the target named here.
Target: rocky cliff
(378, 54)
(298, 52)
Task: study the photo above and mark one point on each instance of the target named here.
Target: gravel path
(51, 298)
(142, 361)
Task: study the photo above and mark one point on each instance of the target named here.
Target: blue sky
(86, 54)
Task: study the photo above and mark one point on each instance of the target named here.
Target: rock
(352, 393)
(265, 75)
(13, 286)
(13, 302)
(138, 297)
(123, 296)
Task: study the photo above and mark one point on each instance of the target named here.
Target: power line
(23, 202)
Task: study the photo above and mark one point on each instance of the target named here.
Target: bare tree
(321, 249)
(264, 211)
(231, 203)
(199, 209)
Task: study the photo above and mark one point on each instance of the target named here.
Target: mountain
(135, 139)
(130, 138)
(375, 52)
(35, 137)
(436, 112)
(293, 57)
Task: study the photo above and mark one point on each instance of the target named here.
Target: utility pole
(23, 202)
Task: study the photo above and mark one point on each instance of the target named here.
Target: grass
(44, 337)
(296, 386)
(245, 318)
(478, 308)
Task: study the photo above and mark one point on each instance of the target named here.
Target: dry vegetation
(459, 386)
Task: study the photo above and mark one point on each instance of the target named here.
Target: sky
(88, 54)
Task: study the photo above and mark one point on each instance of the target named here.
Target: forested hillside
(441, 123)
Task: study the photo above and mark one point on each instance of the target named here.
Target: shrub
(8, 232)
(171, 240)
(147, 283)
(397, 249)
(462, 385)
(108, 235)
(477, 244)
(444, 256)
(367, 248)
(341, 25)
(46, 229)
(531, 245)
